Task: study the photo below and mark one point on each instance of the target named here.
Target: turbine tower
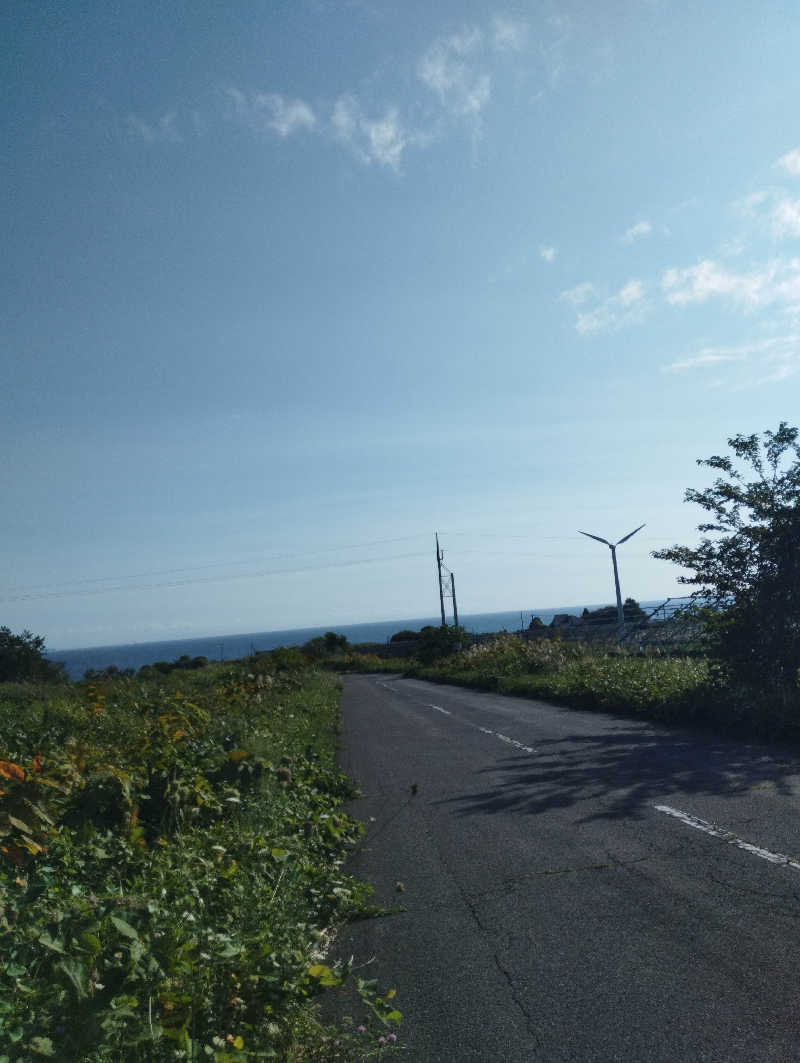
(613, 548)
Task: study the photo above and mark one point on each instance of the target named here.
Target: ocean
(230, 647)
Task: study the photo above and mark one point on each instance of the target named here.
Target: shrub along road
(577, 886)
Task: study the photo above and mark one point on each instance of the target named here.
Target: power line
(202, 568)
(208, 579)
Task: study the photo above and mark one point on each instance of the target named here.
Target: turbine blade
(625, 539)
(596, 537)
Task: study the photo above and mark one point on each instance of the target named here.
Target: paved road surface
(578, 886)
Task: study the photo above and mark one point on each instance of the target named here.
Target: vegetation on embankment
(577, 674)
(581, 675)
(171, 869)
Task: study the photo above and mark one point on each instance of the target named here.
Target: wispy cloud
(163, 131)
(791, 162)
(578, 295)
(627, 307)
(641, 228)
(776, 282)
(381, 140)
(786, 218)
(773, 359)
(448, 69)
(708, 357)
(553, 52)
(508, 34)
(548, 253)
(269, 111)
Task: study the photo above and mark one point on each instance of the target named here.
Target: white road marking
(729, 837)
(439, 708)
(505, 738)
(485, 730)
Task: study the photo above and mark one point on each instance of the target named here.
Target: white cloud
(508, 35)
(631, 293)
(548, 253)
(382, 140)
(786, 218)
(748, 205)
(777, 358)
(791, 162)
(776, 282)
(164, 131)
(627, 307)
(708, 356)
(261, 111)
(641, 228)
(578, 295)
(447, 68)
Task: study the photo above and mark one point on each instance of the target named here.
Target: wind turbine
(613, 548)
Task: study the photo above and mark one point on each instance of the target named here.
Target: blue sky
(287, 287)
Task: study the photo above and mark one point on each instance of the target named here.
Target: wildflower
(392, 1036)
(381, 1040)
(362, 1028)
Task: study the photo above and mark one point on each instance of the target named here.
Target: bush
(170, 865)
(437, 642)
(22, 659)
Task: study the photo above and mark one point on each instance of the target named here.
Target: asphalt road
(577, 886)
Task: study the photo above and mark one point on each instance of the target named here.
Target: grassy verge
(659, 688)
(171, 855)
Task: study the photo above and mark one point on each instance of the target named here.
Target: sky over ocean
(291, 287)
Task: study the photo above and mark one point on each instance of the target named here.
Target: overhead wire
(86, 587)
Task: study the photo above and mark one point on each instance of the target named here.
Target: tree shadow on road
(625, 771)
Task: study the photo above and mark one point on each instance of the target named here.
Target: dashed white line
(505, 738)
(485, 730)
(729, 837)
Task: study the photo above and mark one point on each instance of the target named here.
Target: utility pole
(613, 548)
(439, 556)
(455, 604)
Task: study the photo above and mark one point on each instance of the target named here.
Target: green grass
(171, 869)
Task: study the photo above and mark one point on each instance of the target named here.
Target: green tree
(22, 658)
(406, 635)
(437, 642)
(328, 645)
(746, 569)
(607, 614)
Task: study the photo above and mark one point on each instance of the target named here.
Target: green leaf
(40, 812)
(19, 824)
(124, 928)
(51, 943)
(91, 942)
(324, 975)
(280, 855)
(42, 1046)
(75, 973)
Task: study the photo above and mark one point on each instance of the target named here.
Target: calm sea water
(229, 647)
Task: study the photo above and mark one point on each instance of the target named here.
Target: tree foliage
(406, 635)
(22, 659)
(437, 642)
(607, 614)
(746, 568)
(328, 645)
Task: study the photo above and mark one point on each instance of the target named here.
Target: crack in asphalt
(486, 933)
(515, 996)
